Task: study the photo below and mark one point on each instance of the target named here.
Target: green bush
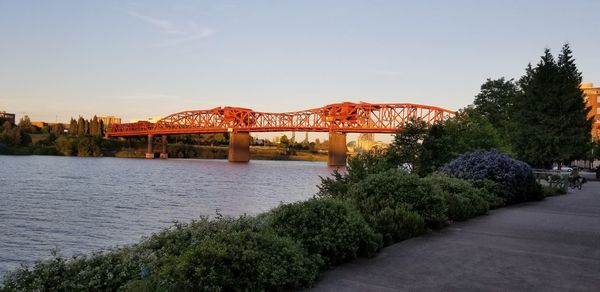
(238, 261)
(111, 270)
(463, 199)
(550, 191)
(396, 204)
(326, 227)
(98, 272)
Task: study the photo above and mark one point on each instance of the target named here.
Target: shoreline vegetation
(84, 138)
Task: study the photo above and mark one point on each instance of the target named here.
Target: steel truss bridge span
(344, 117)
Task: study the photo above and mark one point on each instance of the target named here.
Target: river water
(79, 205)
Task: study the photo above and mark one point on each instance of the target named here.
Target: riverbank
(221, 152)
(185, 151)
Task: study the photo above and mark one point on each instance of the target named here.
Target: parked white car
(563, 168)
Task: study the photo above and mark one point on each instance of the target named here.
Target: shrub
(358, 168)
(396, 204)
(550, 191)
(326, 227)
(238, 261)
(98, 272)
(463, 199)
(111, 270)
(515, 178)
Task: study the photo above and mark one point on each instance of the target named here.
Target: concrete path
(553, 245)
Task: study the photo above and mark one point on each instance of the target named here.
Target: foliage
(25, 124)
(190, 151)
(467, 131)
(326, 227)
(97, 272)
(239, 261)
(495, 102)
(88, 146)
(551, 118)
(64, 145)
(222, 254)
(396, 204)
(550, 191)
(515, 178)
(463, 198)
(14, 136)
(357, 169)
(406, 149)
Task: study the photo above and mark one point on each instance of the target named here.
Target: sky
(138, 59)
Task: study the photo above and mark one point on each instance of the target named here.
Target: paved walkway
(553, 245)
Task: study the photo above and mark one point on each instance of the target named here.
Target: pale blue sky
(137, 59)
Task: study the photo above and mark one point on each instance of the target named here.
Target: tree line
(83, 127)
(542, 119)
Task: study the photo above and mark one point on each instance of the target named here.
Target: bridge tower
(337, 149)
(163, 151)
(239, 147)
(150, 150)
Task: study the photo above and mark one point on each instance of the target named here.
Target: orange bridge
(337, 119)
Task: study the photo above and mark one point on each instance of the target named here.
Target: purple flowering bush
(514, 178)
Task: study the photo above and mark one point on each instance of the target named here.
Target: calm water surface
(79, 205)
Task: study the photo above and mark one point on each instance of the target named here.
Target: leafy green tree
(405, 151)
(64, 145)
(495, 101)
(284, 141)
(466, 132)
(25, 123)
(550, 122)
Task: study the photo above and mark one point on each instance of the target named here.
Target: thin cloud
(177, 33)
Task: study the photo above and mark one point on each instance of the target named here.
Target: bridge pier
(239, 147)
(337, 149)
(150, 150)
(163, 152)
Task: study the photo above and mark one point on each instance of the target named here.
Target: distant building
(592, 98)
(277, 139)
(39, 124)
(153, 119)
(109, 120)
(365, 142)
(7, 116)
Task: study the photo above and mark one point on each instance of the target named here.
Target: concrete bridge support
(150, 150)
(163, 151)
(337, 149)
(239, 147)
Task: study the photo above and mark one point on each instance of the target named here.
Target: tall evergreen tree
(550, 121)
(80, 126)
(577, 137)
(73, 127)
(101, 128)
(94, 127)
(86, 127)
